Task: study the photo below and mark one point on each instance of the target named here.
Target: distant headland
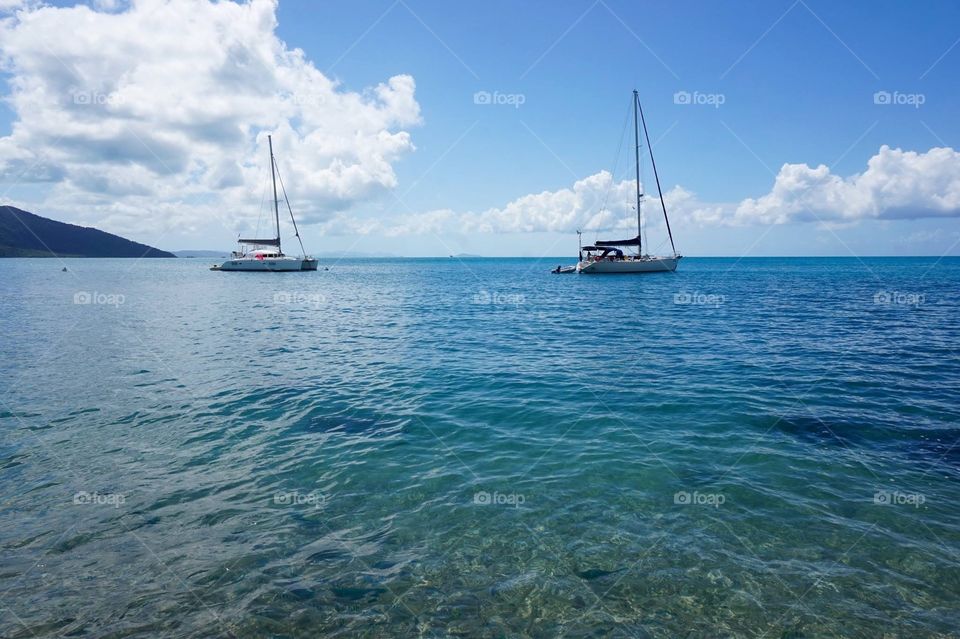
(23, 234)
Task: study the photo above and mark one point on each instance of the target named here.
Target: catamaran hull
(265, 265)
(264, 259)
(652, 265)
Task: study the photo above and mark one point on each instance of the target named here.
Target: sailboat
(607, 256)
(265, 254)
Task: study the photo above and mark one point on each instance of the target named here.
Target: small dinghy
(564, 269)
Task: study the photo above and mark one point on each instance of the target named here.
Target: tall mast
(657, 177)
(276, 204)
(636, 153)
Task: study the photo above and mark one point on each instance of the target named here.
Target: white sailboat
(265, 254)
(607, 256)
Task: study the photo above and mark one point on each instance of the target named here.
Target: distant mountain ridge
(23, 234)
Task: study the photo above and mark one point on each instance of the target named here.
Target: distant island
(23, 234)
(465, 255)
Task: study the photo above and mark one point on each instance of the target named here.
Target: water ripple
(480, 448)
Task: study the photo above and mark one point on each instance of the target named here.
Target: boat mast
(276, 203)
(636, 153)
(656, 177)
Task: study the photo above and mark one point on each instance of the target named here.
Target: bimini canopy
(605, 249)
(632, 242)
(263, 242)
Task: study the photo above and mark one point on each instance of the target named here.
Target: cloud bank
(156, 113)
(897, 184)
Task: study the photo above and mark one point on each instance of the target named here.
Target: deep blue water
(397, 448)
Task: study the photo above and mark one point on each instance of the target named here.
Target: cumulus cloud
(896, 184)
(158, 111)
(595, 202)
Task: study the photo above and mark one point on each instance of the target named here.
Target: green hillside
(24, 234)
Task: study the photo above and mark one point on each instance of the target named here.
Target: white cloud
(896, 184)
(593, 203)
(156, 113)
(597, 203)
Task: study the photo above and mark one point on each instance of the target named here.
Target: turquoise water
(479, 448)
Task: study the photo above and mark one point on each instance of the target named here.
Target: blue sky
(800, 94)
(796, 79)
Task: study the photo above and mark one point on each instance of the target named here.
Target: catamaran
(265, 254)
(607, 256)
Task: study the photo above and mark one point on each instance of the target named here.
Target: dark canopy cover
(605, 249)
(267, 242)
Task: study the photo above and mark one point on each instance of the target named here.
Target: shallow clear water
(395, 448)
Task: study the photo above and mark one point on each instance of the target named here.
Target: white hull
(644, 265)
(269, 264)
(266, 256)
(608, 256)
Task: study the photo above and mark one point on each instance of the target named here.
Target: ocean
(756, 447)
